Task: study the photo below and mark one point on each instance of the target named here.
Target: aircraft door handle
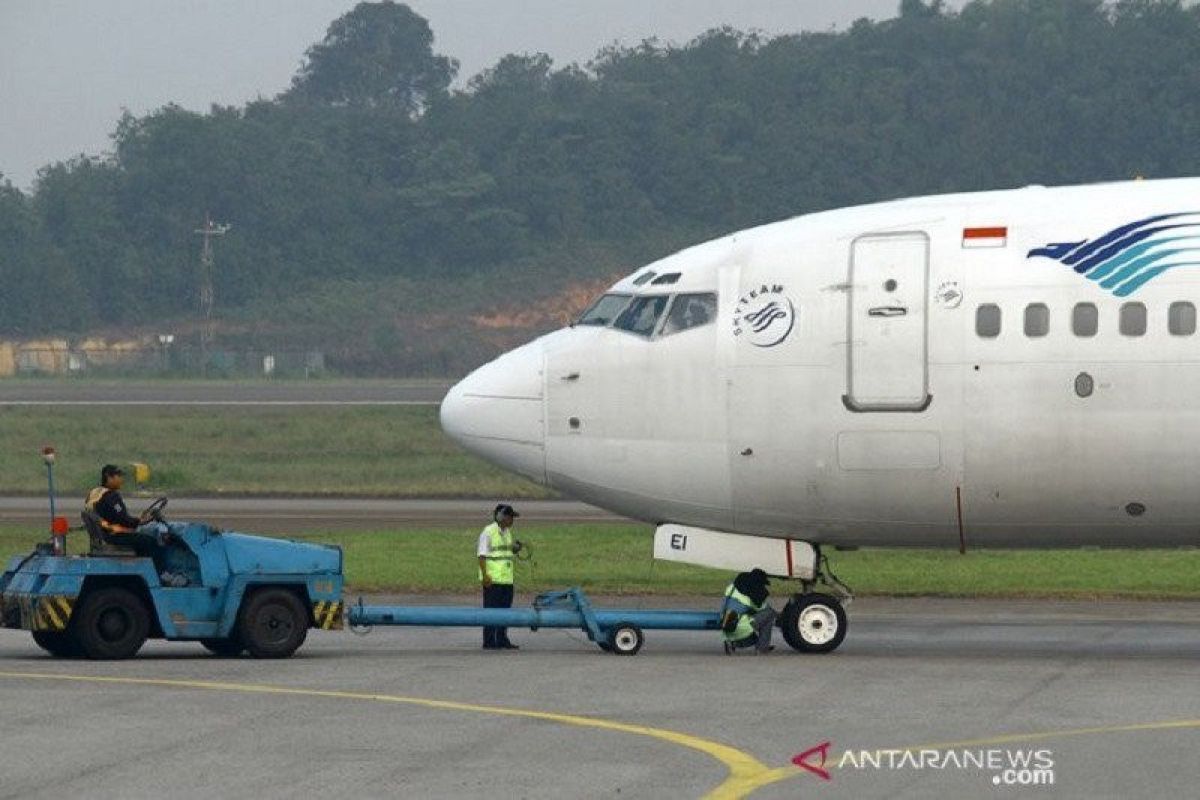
(749, 451)
(887, 311)
(574, 376)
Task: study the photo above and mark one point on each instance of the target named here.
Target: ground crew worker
(119, 527)
(746, 618)
(496, 551)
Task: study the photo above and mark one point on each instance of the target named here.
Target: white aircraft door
(888, 363)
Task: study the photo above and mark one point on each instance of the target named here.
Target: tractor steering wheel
(155, 509)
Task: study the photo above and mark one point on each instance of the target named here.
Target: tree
(378, 54)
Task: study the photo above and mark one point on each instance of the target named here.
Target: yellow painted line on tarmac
(745, 772)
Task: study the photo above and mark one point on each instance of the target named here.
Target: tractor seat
(99, 547)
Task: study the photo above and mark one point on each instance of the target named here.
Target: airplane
(1016, 368)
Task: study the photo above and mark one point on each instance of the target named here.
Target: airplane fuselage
(1013, 368)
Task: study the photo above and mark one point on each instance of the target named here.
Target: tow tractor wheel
(60, 644)
(111, 623)
(814, 623)
(625, 639)
(227, 648)
(273, 623)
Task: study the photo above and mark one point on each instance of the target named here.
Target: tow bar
(617, 631)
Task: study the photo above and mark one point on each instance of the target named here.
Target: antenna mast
(209, 231)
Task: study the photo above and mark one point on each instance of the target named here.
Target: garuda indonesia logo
(1127, 258)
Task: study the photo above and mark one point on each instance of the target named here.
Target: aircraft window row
(1085, 319)
(642, 315)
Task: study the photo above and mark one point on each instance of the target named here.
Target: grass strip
(389, 451)
(615, 559)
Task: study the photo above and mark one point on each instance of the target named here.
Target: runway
(221, 393)
(284, 515)
(1111, 692)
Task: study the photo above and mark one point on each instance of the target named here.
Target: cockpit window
(645, 276)
(642, 315)
(668, 278)
(690, 311)
(604, 310)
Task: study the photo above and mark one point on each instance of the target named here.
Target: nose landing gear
(815, 621)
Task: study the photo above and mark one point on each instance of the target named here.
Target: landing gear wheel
(227, 648)
(273, 623)
(625, 639)
(60, 644)
(111, 624)
(814, 623)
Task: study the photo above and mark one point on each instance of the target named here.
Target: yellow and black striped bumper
(45, 613)
(329, 615)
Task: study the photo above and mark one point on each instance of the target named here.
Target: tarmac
(1110, 691)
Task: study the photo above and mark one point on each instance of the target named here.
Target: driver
(119, 527)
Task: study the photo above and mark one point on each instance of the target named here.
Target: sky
(68, 68)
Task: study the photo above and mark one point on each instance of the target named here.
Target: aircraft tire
(814, 623)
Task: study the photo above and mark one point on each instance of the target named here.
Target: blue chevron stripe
(1115, 248)
(1129, 255)
(1087, 248)
(1126, 258)
(1135, 284)
(1132, 268)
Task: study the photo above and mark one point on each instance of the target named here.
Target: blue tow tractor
(236, 593)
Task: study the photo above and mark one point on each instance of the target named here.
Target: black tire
(625, 639)
(111, 624)
(226, 648)
(273, 623)
(814, 623)
(60, 644)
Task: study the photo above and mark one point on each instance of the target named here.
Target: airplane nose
(497, 412)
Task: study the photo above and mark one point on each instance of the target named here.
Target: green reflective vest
(744, 628)
(499, 559)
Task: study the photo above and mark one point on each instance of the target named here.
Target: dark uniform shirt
(111, 509)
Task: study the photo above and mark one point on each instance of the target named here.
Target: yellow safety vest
(744, 628)
(90, 504)
(499, 559)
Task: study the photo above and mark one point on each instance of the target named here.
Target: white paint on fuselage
(825, 436)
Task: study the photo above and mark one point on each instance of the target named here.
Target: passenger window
(1085, 319)
(1133, 319)
(604, 310)
(1037, 319)
(690, 311)
(642, 315)
(1181, 319)
(987, 321)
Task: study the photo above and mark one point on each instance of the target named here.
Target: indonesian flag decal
(994, 236)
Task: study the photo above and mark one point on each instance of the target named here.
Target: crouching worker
(746, 618)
